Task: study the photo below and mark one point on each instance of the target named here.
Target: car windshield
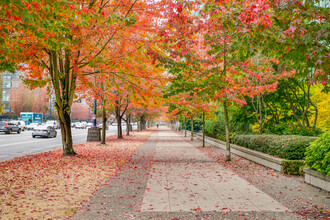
(42, 127)
(33, 124)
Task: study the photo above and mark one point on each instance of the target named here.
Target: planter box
(317, 179)
(255, 156)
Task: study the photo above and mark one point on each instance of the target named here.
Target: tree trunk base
(69, 154)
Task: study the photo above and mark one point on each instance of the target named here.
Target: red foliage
(80, 111)
(22, 99)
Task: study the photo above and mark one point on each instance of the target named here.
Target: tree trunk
(120, 131)
(143, 123)
(185, 126)
(66, 135)
(119, 128)
(203, 129)
(292, 105)
(260, 114)
(192, 128)
(316, 114)
(127, 124)
(104, 123)
(225, 111)
(64, 84)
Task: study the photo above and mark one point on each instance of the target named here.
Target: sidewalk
(170, 177)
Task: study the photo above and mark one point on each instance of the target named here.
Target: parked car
(32, 126)
(9, 127)
(80, 125)
(44, 131)
(100, 126)
(21, 124)
(53, 123)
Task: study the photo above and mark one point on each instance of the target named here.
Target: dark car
(9, 127)
(44, 131)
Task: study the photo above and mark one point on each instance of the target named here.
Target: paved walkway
(169, 178)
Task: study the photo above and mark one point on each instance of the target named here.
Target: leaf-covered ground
(47, 185)
(306, 201)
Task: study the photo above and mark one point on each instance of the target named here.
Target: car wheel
(33, 136)
(18, 131)
(55, 134)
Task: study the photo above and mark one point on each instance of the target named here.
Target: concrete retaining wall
(312, 177)
(317, 179)
(255, 156)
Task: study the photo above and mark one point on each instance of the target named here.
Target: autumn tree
(298, 44)
(212, 42)
(60, 42)
(23, 99)
(323, 102)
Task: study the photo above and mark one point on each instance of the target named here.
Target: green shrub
(293, 167)
(290, 147)
(318, 154)
(237, 123)
(290, 128)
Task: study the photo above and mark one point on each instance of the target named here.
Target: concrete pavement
(169, 178)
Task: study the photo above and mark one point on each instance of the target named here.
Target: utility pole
(94, 116)
(94, 133)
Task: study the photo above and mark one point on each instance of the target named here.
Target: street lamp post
(94, 117)
(94, 133)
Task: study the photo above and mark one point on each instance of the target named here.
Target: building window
(5, 96)
(6, 81)
(6, 78)
(6, 85)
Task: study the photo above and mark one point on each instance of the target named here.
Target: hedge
(290, 147)
(318, 154)
(293, 167)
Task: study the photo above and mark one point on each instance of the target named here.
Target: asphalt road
(16, 145)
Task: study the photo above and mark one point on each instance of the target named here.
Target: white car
(44, 131)
(53, 123)
(21, 125)
(80, 126)
(32, 126)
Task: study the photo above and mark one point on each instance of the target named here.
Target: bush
(215, 129)
(290, 147)
(237, 124)
(198, 124)
(290, 128)
(293, 167)
(318, 154)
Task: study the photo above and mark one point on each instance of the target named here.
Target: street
(16, 145)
